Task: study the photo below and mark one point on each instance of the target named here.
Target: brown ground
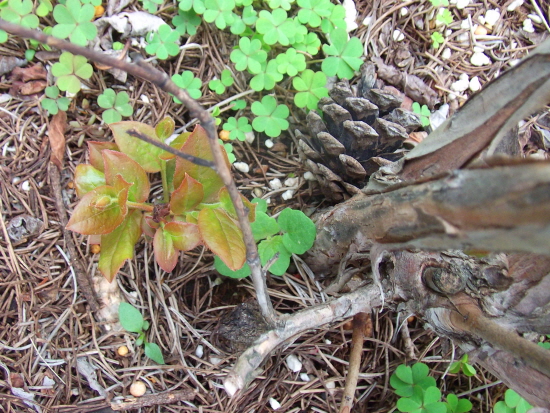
(45, 324)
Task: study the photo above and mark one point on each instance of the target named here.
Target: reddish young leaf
(149, 226)
(166, 254)
(227, 204)
(94, 151)
(101, 210)
(223, 236)
(165, 128)
(56, 135)
(87, 178)
(187, 196)
(131, 172)
(176, 144)
(118, 246)
(197, 145)
(143, 153)
(185, 236)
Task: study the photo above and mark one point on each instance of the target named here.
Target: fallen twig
(166, 398)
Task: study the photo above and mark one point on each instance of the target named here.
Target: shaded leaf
(227, 204)
(189, 194)
(299, 230)
(117, 163)
(153, 352)
(56, 135)
(185, 236)
(94, 151)
(166, 254)
(143, 153)
(130, 318)
(87, 178)
(224, 269)
(165, 128)
(267, 250)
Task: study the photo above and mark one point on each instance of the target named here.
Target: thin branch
(161, 80)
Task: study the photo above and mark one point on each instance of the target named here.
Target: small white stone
(293, 363)
(535, 18)
(26, 186)
(480, 59)
(446, 55)
(258, 192)
(327, 341)
(464, 39)
(481, 19)
(269, 143)
(465, 24)
(492, 16)
(288, 194)
(404, 11)
(144, 99)
(419, 23)
(199, 352)
(275, 184)
(398, 36)
(367, 21)
(514, 62)
(351, 15)
(452, 96)
(16, 180)
(242, 167)
(291, 182)
(514, 5)
(528, 26)
(460, 85)
(462, 4)
(541, 155)
(249, 137)
(331, 385)
(214, 360)
(478, 49)
(308, 176)
(439, 116)
(464, 76)
(304, 377)
(475, 85)
(274, 404)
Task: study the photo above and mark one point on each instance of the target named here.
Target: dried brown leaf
(36, 72)
(56, 135)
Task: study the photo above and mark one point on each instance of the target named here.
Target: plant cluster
(423, 113)
(443, 18)
(114, 189)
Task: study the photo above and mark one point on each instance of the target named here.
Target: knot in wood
(443, 281)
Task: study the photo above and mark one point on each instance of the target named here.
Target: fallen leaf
(36, 72)
(27, 88)
(56, 135)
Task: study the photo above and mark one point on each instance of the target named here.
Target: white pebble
(464, 76)
(528, 26)
(452, 96)
(367, 21)
(269, 143)
(475, 85)
(16, 180)
(480, 59)
(249, 137)
(514, 5)
(275, 184)
(535, 18)
(478, 49)
(214, 360)
(331, 385)
(242, 167)
(199, 352)
(465, 24)
(288, 194)
(439, 116)
(460, 85)
(293, 363)
(308, 176)
(419, 23)
(514, 62)
(144, 99)
(327, 341)
(26, 186)
(464, 39)
(492, 16)
(304, 377)
(258, 192)
(291, 181)
(461, 4)
(404, 11)
(274, 404)
(398, 36)
(446, 53)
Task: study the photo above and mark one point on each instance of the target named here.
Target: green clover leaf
(196, 5)
(309, 44)
(335, 20)
(74, 21)
(439, 3)
(163, 43)
(249, 55)
(20, 12)
(284, 4)
(444, 16)
(311, 87)
(237, 128)
(437, 39)
(151, 5)
(241, 3)
(291, 62)
(3, 36)
(456, 405)
(44, 8)
(423, 113)
(186, 22)
(189, 82)
(312, 11)
(275, 27)
(219, 12)
(52, 102)
(219, 85)
(405, 379)
(69, 70)
(117, 105)
(267, 78)
(299, 231)
(343, 55)
(270, 117)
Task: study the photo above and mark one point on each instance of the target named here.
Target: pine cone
(359, 131)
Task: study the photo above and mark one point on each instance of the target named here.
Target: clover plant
(186, 22)
(343, 55)
(187, 80)
(163, 43)
(237, 128)
(219, 85)
(462, 365)
(74, 21)
(52, 102)
(131, 320)
(117, 105)
(20, 12)
(311, 88)
(291, 233)
(437, 39)
(152, 5)
(114, 191)
(423, 113)
(270, 117)
(444, 16)
(69, 70)
(512, 403)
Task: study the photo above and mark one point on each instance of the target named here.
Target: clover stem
(140, 205)
(165, 189)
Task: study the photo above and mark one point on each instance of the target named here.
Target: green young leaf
(249, 16)
(94, 152)
(264, 226)
(336, 19)
(227, 205)
(74, 21)
(408, 405)
(196, 5)
(515, 401)
(343, 55)
(166, 254)
(275, 27)
(101, 210)
(116, 104)
(444, 16)
(219, 12)
(312, 11)
(456, 405)
(311, 87)
(299, 231)
(118, 163)
(118, 246)
(439, 3)
(87, 178)
(291, 62)
(151, 5)
(261, 204)
(153, 352)
(165, 128)
(249, 56)
(270, 117)
(219, 85)
(189, 194)
(52, 102)
(267, 250)
(143, 153)
(267, 78)
(44, 8)
(4, 38)
(237, 128)
(130, 318)
(224, 269)
(405, 379)
(19, 12)
(197, 145)
(238, 104)
(69, 70)
(185, 236)
(423, 112)
(163, 43)
(188, 82)
(223, 236)
(500, 407)
(437, 39)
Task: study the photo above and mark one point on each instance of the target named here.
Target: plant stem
(165, 189)
(140, 205)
